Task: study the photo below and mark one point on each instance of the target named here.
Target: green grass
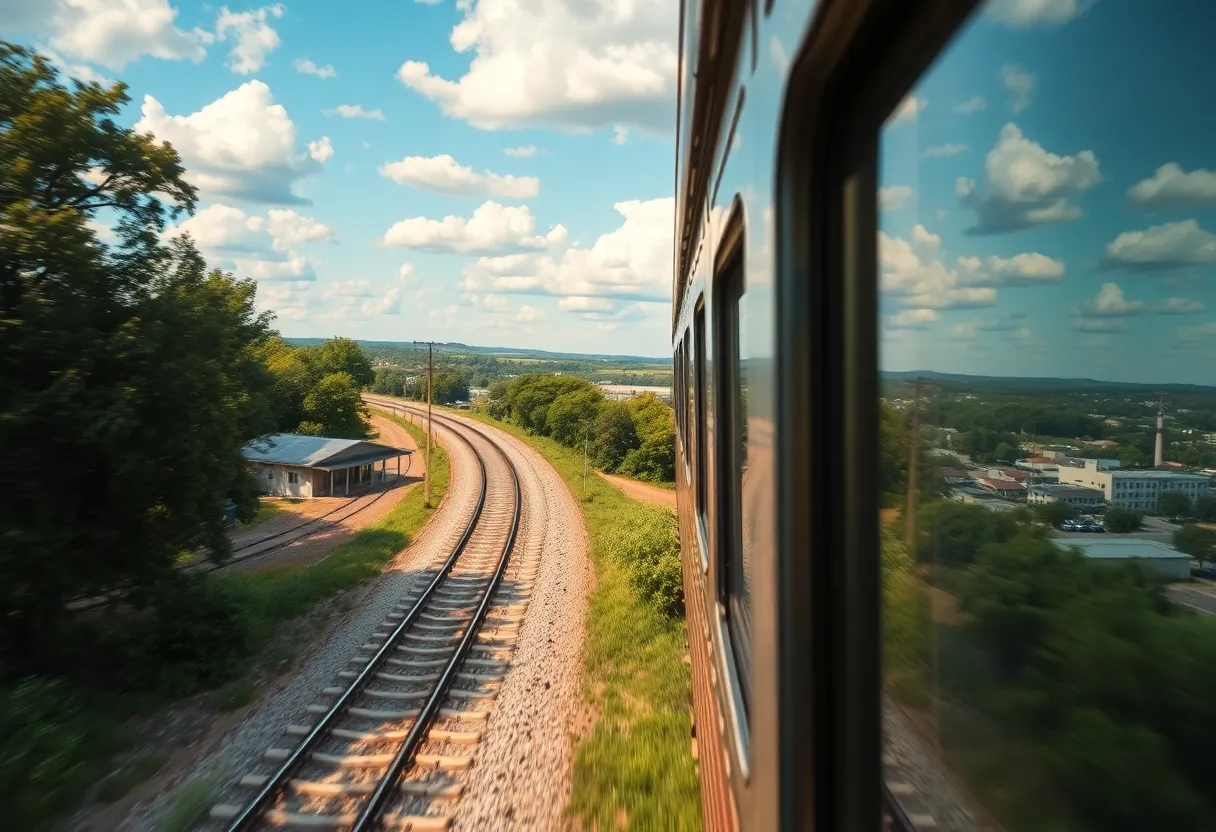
(266, 510)
(117, 785)
(192, 802)
(636, 765)
(278, 594)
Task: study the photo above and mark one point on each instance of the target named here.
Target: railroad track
(390, 745)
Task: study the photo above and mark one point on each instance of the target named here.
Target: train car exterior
(781, 104)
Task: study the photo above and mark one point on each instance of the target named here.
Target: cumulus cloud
(1111, 302)
(1197, 334)
(1180, 306)
(893, 198)
(307, 67)
(556, 64)
(241, 145)
(295, 267)
(1020, 84)
(355, 111)
(1028, 269)
(961, 332)
(1027, 13)
(111, 33)
(253, 38)
(1171, 187)
(907, 110)
(443, 174)
(632, 262)
(944, 150)
(290, 229)
(913, 319)
(972, 105)
(493, 229)
(81, 72)
(523, 151)
(1027, 185)
(223, 228)
(1169, 246)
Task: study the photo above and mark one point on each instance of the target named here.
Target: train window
(734, 590)
(688, 388)
(702, 392)
(1047, 266)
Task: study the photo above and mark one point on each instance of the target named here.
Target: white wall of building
(1139, 490)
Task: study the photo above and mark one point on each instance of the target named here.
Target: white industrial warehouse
(292, 465)
(1166, 561)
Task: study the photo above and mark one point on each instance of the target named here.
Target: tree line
(447, 386)
(635, 438)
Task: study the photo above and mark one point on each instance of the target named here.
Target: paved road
(1198, 598)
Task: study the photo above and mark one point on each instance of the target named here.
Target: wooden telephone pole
(430, 373)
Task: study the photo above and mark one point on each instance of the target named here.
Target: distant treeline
(447, 386)
(635, 438)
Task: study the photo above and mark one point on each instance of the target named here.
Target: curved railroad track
(391, 744)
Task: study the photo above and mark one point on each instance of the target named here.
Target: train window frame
(701, 429)
(858, 60)
(729, 289)
(687, 392)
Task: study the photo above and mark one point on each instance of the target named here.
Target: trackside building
(291, 465)
(1166, 561)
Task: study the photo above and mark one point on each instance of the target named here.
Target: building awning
(354, 462)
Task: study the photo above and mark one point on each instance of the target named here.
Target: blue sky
(1051, 197)
(515, 191)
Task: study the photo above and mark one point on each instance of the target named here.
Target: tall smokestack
(1159, 450)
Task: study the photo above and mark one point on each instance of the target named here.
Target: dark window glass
(688, 388)
(702, 393)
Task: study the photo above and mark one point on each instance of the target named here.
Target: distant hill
(1042, 383)
(504, 352)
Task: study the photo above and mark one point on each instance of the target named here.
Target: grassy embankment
(635, 766)
(219, 632)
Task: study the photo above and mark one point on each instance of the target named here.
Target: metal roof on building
(1119, 548)
(317, 451)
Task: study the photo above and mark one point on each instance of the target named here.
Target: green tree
(1196, 541)
(1205, 508)
(613, 436)
(449, 386)
(390, 381)
(342, 355)
(951, 533)
(497, 406)
(1174, 504)
(571, 415)
(1122, 520)
(129, 376)
(334, 408)
(1054, 513)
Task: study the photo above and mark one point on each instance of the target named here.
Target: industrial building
(1166, 561)
(1139, 490)
(291, 465)
(1077, 496)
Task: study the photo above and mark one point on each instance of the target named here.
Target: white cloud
(1197, 334)
(387, 304)
(907, 110)
(961, 332)
(405, 274)
(1111, 302)
(1026, 13)
(321, 149)
(550, 63)
(295, 267)
(493, 229)
(428, 2)
(1013, 322)
(1027, 186)
(529, 314)
(972, 105)
(307, 67)
(81, 72)
(524, 151)
(913, 319)
(1180, 306)
(620, 134)
(1020, 84)
(241, 145)
(944, 150)
(111, 33)
(893, 198)
(1167, 246)
(355, 111)
(445, 175)
(254, 39)
(915, 270)
(221, 227)
(632, 262)
(1171, 187)
(1028, 269)
(290, 229)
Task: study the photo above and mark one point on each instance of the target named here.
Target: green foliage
(650, 548)
(615, 435)
(1054, 513)
(52, 751)
(447, 387)
(390, 381)
(1196, 541)
(951, 533)
(1121, 519)
(342, 355)
(120, 783)
(571, 414)
(334, 405)
(1205, 509)
(1174, 504)
(125, 365)
(905, 623)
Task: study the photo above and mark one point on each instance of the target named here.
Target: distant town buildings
(1139, 490)
(621, 392)
(1076, 496)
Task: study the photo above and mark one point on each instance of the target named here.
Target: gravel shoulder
(234, 752)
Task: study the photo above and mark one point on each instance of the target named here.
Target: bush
(650, 549)
(1122, 520)
(50, 752)
(193, 635)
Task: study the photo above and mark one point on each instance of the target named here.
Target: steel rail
(369, 817)
(253, 810)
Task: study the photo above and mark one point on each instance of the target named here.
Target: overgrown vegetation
(316, 388)
(636, 766)
(635, 438)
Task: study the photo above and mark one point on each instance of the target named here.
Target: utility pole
(430, 372)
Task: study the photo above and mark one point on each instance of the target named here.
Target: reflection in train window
(1048, 280)
(701, 393)
(733, 585)
(688, 391)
